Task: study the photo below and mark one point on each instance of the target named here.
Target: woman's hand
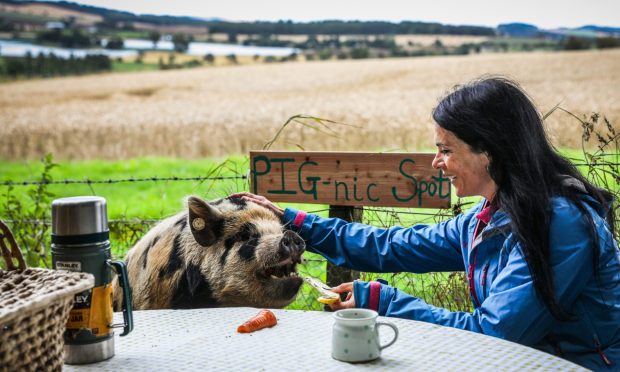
(350, 300)
(260, 200)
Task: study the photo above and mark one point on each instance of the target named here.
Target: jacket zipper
(472, 290)
(601, 353)
(470, 274)
(484, 279)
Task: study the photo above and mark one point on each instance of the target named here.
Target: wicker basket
(34, 307)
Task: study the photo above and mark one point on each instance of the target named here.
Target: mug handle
(121, 270)
(381, 347)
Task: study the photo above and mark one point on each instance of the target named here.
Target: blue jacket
(505, 301)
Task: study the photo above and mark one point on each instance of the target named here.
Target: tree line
(47, 65)
(336, 27)
(76, 38)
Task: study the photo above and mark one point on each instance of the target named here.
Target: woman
(538, 250)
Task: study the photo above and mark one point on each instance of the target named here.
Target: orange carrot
(265, 318)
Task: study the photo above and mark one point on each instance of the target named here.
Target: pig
(228, 252)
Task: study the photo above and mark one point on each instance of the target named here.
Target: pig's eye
(245, 234)
(248, 250)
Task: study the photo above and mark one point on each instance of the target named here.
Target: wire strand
(111, 181)
(155, 179)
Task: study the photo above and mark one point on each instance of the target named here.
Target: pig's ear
(205, 221)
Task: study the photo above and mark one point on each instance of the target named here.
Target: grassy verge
(149, 199)
(146, 200)
(133, 66)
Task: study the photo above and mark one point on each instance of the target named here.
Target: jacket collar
(486, 213)
(492, 217)
(498, 223)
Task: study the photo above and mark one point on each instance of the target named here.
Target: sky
(547, 14)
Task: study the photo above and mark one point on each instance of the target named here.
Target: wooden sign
(349, 178)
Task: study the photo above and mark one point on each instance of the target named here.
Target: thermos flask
(80, 242)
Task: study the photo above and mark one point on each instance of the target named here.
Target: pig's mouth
(281, 281)
(285, 269)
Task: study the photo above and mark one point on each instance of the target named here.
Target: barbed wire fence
(198, 178)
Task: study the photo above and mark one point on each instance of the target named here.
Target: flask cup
(80, 242)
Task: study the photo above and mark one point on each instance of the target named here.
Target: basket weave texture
(34, 307)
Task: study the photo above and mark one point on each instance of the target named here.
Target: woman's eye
(444, 152)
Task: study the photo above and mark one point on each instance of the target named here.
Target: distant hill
(110, 14)
(518, 30)
(116, 17)
(528, 30)
(600, 29)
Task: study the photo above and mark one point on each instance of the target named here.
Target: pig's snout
(292, 245)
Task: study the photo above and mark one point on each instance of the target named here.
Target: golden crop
(218, 111)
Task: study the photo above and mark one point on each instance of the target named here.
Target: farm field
(213, 112)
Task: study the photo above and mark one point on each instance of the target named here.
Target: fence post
(336, 274)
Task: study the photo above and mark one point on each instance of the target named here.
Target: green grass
(147, 200)
(516, 44)
(133, 66)
(604, 179)
(125, 34)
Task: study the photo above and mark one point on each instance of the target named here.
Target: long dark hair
(493, 115)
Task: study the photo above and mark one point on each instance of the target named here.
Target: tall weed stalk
(600, 146)
(29, 218)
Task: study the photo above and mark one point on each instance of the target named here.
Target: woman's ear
(487, 159)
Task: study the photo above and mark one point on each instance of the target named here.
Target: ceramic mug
(355, 335)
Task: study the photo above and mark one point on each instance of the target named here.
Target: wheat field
(209, 111)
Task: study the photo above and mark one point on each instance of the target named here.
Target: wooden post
(336, 274)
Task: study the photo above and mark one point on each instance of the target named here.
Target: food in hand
(264, 319)
(327, 295)
(326, 300)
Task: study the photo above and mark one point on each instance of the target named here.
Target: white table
(207, 339)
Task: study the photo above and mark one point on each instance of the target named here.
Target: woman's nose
(436, 161)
